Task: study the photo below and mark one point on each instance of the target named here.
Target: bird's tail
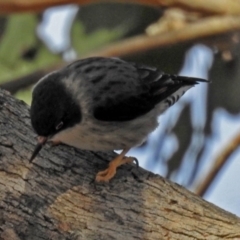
(169, 88)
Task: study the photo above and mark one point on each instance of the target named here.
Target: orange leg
(109, 173)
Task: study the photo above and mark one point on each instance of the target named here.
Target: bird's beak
(41, 142)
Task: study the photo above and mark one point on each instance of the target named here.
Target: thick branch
(55, 198)
(207, 6)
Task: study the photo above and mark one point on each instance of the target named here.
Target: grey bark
(56, 198)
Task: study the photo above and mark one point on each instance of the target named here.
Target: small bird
(103, 104)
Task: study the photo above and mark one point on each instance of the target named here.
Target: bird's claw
(131, 160)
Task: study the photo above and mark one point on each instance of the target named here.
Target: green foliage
(84, 43)
(25, 95)
(20, 36)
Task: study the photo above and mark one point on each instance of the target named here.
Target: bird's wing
(123, 91)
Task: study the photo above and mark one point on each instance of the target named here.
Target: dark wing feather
(125, 110)
(142, 91)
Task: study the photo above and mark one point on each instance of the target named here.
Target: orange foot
(109, 173)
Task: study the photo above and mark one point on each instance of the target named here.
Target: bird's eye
(59, 126)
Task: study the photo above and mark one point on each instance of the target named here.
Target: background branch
(207, 6)
(203, 28)
(23, 82)
(218, 164)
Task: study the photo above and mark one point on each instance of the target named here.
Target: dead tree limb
(55, 197)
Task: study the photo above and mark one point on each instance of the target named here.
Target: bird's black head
(53, 108)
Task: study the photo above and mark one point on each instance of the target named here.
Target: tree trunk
(55, 197)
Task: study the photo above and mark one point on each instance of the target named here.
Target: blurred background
(197, 142)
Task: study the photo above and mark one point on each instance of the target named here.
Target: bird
(103, 104)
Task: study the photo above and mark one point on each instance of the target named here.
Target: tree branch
(218, 164)
(206, 27)
(207, 6)
(23, 82)
(55, 198)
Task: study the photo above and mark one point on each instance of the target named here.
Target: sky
(224, 192)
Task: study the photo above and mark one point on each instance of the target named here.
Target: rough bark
(56, 198)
